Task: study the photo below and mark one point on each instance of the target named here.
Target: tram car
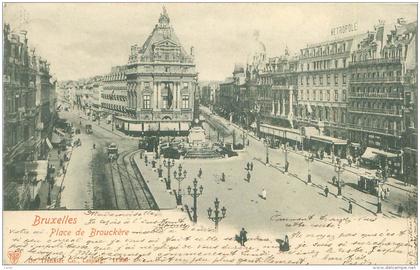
(112, 152)
(369, 183)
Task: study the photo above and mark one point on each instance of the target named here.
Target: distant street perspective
(328, 128)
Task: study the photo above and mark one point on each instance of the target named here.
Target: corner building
(161, 85)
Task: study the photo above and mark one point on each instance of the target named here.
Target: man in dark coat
(326, 191)
(242, 237)
(350, 208)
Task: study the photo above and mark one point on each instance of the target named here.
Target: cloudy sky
(82, 40)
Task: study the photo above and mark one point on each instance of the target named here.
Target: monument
(197, 135)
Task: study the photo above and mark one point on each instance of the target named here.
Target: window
(307, 80)
(328, 95)
(166, 69)
(146, 84)
(336, 95)
(328, 79)
(301, 80)
(185, 85)
(321, 95)
(335, 79)
(321, 79)
(336, 63)
(344, 61)
(313, 80)
(307, 94)
(344, 78)
(146, 102)
(185, 101)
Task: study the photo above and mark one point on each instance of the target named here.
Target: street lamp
(267, 160)
(168, 164)
(286, 163)
(216, 218)
(196, 192)
(339, 168)
(179, 176)
(309, 158)
(381, 173)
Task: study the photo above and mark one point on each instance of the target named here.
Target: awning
(48, 143)
(60, 132)
(385, 154)
(330, 140)
(369, 154)
(38, 169)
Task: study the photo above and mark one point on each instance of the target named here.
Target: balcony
(385, 112)
(393, 79)
(382, 131)
(375, 62)
(376, 95)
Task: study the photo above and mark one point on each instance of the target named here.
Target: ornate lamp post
(168, 164)
(196, 192)
(216, 218)
(309, 158)
(179, 176)
(339, 168)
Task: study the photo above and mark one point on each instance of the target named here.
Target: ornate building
(114, 99)
(323, 83)
(161, 84)
(280, 75)
(378, 85)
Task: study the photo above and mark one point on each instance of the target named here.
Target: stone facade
(161, 83)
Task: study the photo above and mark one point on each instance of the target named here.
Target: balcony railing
(376, 111)
(376, 62)
(376, 95)
(392, 79)
(393, 132)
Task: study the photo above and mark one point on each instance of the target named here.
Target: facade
(280, 78)
(379, 90)
(114, 98)
(323, 83)
(29, 103)
(161, 84)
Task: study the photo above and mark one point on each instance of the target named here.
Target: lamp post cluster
(179, 176)
(195, 193)
(216, 218)
(168, 164)
(309, 158)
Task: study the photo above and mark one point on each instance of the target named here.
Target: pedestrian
(223, 177)
(284, 246)
(242, 237)
(333, 180)
(400, 210)
(94, 146)
(200, 172)
(248, 166)
(264, 194)
(326, 191)
(248, 176)
(350, 208)
(252, 166)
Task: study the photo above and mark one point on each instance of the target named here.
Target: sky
(81, 40)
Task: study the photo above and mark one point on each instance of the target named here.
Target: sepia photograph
(210, 133)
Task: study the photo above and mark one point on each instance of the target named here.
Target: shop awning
(369, 154)
(48, 143)
(38, 169)
(329, 140)
(385, 154)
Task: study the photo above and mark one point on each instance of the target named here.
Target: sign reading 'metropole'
(342, 29)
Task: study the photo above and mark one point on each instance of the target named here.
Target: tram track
(131, 191)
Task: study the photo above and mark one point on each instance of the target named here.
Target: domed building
(161, 83)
